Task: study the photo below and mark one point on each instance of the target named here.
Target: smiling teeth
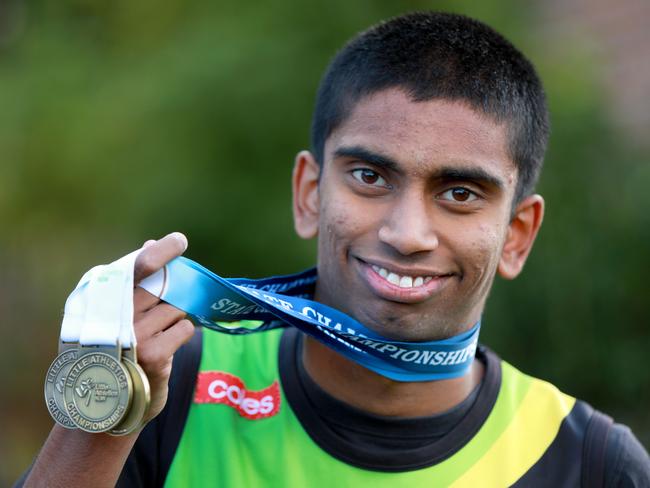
(406, 282)
(401, 281)
(394, 279)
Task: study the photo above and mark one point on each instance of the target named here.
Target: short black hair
(434, 55)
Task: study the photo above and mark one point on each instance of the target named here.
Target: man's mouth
(403, 281)
(402, 285)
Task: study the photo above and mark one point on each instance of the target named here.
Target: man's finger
(156, 320)
(143, 300)
(156, 255)
(157, 351)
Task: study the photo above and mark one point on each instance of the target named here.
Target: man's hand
(160, 329)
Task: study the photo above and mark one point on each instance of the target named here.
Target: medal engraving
(97, 392)
(134, 418)
(54, 386)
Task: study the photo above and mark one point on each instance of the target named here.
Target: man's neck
(366, 390)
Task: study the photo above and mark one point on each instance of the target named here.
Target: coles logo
(220, 387)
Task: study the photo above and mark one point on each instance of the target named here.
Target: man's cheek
(481, 267)
(338, 222)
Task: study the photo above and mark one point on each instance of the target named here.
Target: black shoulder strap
(593, 451)
(181, 388)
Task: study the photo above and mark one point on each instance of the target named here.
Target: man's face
(413, 210)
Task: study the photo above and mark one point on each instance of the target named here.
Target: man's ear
(306, 202)
(522, 231)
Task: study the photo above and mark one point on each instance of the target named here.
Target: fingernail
(181, 238)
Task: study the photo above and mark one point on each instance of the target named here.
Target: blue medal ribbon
(280, 301)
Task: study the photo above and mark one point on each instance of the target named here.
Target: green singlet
(241, 431)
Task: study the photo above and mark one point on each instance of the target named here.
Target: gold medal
(102, 390)
(55, 383)
(134, 418)
(98, 389)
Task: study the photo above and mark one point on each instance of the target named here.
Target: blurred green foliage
(124, 120)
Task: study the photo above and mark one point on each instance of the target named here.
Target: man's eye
(369, 177)
(459, 194)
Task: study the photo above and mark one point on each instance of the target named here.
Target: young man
(428, 138)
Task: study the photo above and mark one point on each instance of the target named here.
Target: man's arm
(76, 458)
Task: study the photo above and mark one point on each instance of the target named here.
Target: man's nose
(409, 227)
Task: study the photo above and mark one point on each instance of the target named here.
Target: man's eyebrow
(358, 152)
(476, 175)
(451, 173)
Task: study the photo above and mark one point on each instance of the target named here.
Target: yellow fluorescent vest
(222, 447)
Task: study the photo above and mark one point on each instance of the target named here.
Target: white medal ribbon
(99, 311)
(75, 310)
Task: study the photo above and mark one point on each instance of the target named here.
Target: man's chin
(399, 328)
